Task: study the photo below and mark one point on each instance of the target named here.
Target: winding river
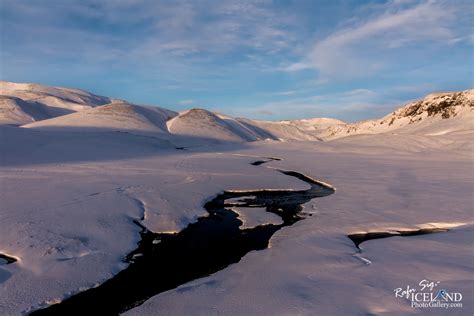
(164, 261)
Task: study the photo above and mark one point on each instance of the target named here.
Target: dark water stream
(4, 259)
(261, 162)
(164, 261)
(360, 238)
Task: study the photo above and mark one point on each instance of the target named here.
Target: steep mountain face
(436, 114)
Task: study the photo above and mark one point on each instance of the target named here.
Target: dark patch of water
(261, 162)
(165, 261)
(357, 239)
(6, 259)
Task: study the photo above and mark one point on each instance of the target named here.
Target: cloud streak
(367, 47)
(350, 105)
(186, 102)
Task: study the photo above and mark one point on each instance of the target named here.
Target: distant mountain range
(42, 107)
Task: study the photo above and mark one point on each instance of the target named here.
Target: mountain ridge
(435, 111)
(42, 107)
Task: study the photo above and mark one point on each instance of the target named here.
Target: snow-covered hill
(304, 129)
(38, 106)
(436, 114)
(283, 130)
(205, 124)
(315, 124)
(115, 116)
(15, 111)
(22, 103)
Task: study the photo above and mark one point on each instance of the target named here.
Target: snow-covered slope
(436, 114)
(73, 99)
(23, 103)
(38, 106)
(68, 202)
(15, 111)
(116, 116)
(315, 125)
(205, 124)
(283, 130)
(304, 129)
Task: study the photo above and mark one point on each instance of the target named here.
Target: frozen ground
(69, 199)
(85, 167)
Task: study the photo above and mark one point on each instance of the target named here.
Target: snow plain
(312, 268)
(69, 197)
(65, 211)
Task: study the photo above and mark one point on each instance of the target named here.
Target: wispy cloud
(290, 92)
(157, 27)
(348, 105)
(370, 45)
(186, 102)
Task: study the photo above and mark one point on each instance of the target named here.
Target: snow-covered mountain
(38, 106)
(117, 115)
(202, 123)
(205, 124)
(436, 114)
(15, 111)
(307, 129)
(283, 131)
(51, 108)
(23, 103)
(315, 124)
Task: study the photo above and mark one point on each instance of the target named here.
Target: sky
(347, 59)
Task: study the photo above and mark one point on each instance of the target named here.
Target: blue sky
(271, 60)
